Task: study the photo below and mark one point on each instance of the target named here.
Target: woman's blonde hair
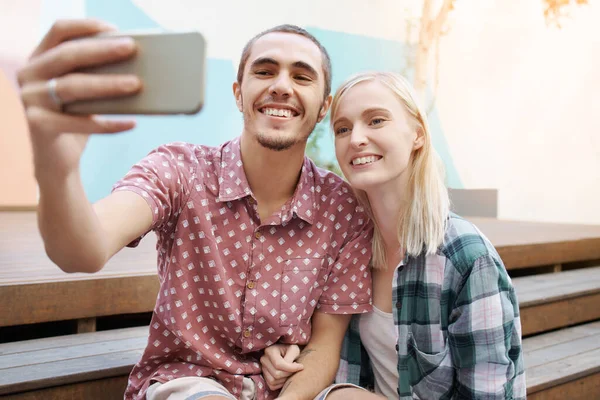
(422, 224)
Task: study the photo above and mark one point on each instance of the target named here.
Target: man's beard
(283, 143)
(277, 143)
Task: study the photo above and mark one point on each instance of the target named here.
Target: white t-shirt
(379, 336)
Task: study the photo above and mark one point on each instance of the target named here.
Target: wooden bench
(564, 364)
(82, 366)
(524, 244)
(559, 365)
(34, 290)
(556, 300)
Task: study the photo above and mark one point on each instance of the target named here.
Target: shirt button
(250, 285)
(398, 305)
(250, 200)
(257, 235)
(247, 333)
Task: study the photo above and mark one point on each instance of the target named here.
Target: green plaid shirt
(459, 331)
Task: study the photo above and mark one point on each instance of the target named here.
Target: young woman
(445, 321)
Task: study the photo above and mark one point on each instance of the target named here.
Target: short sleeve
(163, 178)
(348, 288)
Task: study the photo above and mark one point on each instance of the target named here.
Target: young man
(253, 238)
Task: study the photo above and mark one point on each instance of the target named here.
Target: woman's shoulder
(464, 244)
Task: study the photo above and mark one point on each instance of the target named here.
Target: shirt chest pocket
(302, 283)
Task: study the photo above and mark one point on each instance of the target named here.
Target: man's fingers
(275, 350)
(289, 368)
(69, 29)
(77, 54)
(273, 383)
(292, 353)
(76, 86)
(286, 363)
(46, 122)
(269, 380)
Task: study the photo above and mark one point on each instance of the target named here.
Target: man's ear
(419, 140)
(324, 108)
(237, 93)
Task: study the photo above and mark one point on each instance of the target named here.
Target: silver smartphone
(172, 67)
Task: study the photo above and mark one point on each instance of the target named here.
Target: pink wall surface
(17, 188)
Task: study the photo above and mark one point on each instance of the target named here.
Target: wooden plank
(562, 371)
(523, 244)
(544, 317)
(533, 283)
(561, 336)
(585, 388)
(525, 256)
(22, 250)
(35, 358)
(34, 290)
(56, 301)
(560, 351)
(15, 208)
(68, 371)
(101, 389)
(72, 340)
(543, 288)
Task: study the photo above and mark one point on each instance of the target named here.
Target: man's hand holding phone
(50, 80)
(82, 68)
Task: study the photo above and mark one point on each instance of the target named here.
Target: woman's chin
(362, 182)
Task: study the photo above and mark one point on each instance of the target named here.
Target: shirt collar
(233, 184)
(303, 200)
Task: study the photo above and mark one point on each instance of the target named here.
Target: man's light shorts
(195, 388)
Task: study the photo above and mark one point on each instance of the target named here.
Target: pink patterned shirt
(232, 284)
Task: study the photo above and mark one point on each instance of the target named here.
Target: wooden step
(564, 364)
(559, 365)
(526, 244)
(63, 361)
(556, 300)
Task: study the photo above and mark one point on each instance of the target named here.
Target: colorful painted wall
(515, 108)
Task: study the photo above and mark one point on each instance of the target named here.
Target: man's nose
(282, 87)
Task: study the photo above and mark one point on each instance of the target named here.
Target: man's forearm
(69, 226)
(320, 365)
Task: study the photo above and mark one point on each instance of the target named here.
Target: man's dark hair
(287, 28)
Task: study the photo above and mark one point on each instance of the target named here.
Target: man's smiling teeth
(277, 112)
(364, 160)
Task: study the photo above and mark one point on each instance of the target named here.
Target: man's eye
(264, 73)
(303, 78)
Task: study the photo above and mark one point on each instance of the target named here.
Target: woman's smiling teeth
(365, 160)
(278, 112)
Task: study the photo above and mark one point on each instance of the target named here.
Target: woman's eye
(376, 121)
(341, 131)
